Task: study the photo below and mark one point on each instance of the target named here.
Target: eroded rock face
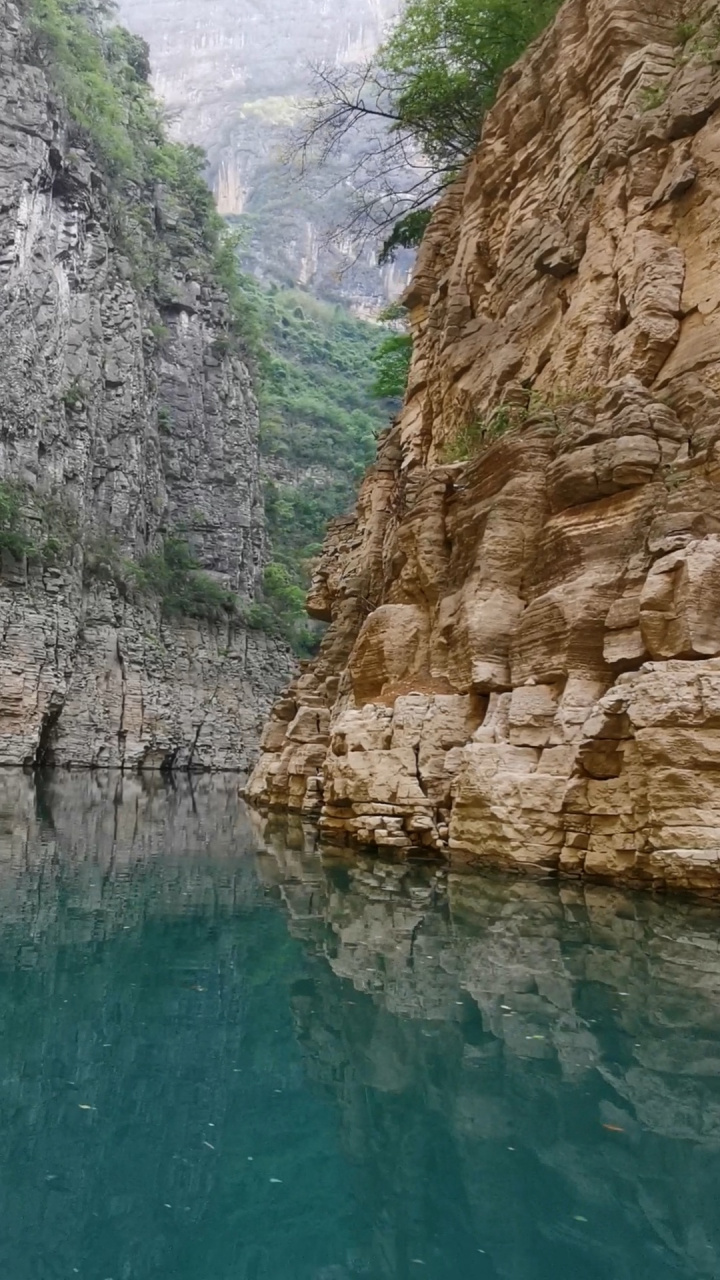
(523, 665)
(125, 415)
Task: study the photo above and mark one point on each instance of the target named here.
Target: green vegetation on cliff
(314, 362)
(174, 576)
(320, 416)
(162, 207)
(13, 536)
(43, 531)
(445, 60)
(33, 527)
(171, 576)
(101, 73)
(163, 220)
(392, 366)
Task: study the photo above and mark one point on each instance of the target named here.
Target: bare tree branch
(352, 133)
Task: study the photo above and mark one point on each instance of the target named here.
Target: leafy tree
(445, 60)
(418, 105)
(406, 234)
(12, 534)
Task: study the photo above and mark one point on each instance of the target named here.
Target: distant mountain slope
(319, 425)
(230, 75)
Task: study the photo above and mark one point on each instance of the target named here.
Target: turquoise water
(224, 1062)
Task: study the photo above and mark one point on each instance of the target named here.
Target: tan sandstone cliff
(523, 665)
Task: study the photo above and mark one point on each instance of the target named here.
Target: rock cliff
(127, 414)
(523, 666)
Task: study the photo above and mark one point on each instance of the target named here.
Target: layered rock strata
(523, 666)
(126, 415)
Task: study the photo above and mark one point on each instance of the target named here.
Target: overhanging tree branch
(402, 124)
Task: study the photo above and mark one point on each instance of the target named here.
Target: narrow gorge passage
(359, 640)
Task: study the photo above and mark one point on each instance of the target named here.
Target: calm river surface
(224, 1062)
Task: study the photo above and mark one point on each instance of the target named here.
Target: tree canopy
(445, 60)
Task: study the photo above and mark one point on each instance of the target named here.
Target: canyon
(522, 667)
(260, 1016)
(128, 417)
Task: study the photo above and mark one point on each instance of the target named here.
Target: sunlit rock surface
(523, 662)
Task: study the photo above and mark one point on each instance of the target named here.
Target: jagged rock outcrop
(126, 414)
(523, 666)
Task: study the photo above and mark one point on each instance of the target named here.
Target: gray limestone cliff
(127, 414)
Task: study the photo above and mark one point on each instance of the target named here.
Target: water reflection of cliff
(91, 841)
(123, 910)
(555, 1051)
(495, 1078)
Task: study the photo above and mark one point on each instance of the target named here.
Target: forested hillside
(320, 415)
